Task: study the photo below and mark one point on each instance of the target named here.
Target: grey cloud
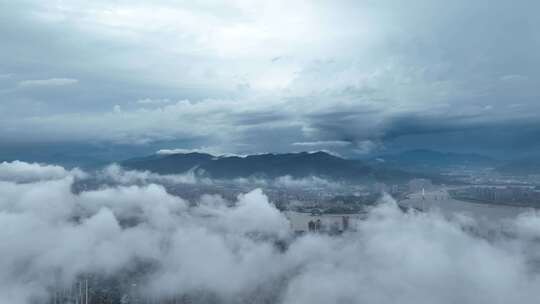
(251, 118)
(346, 72)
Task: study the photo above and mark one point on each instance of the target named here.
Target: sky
(353, 77)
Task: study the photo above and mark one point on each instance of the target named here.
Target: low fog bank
(117, 174)
(151, 244)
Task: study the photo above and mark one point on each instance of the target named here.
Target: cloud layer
(51, 237)
(246, 76)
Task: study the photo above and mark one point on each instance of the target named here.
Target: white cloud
(303, 183)
(178, 151)
(514, 78)
(50, 236)
(216, 151)
(338, 143)
(51, 82)
(528, 225)
(365, 147)
(28, 172)
(122, 176)
(150, 101)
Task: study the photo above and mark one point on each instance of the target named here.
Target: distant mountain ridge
(429, 160)
(524, 166)
(297, 165)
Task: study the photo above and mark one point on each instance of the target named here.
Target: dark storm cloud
(347, 125)
(264, 75)
(504, 141)
(258, 118)
(419, 124)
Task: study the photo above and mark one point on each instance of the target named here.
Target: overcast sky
(354, 77)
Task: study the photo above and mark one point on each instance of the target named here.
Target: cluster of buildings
(512, 195)
(331, 223)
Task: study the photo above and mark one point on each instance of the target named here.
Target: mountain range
(523, 166)
(297, 165)
(423, 160)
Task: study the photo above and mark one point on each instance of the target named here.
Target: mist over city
(171, 152)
